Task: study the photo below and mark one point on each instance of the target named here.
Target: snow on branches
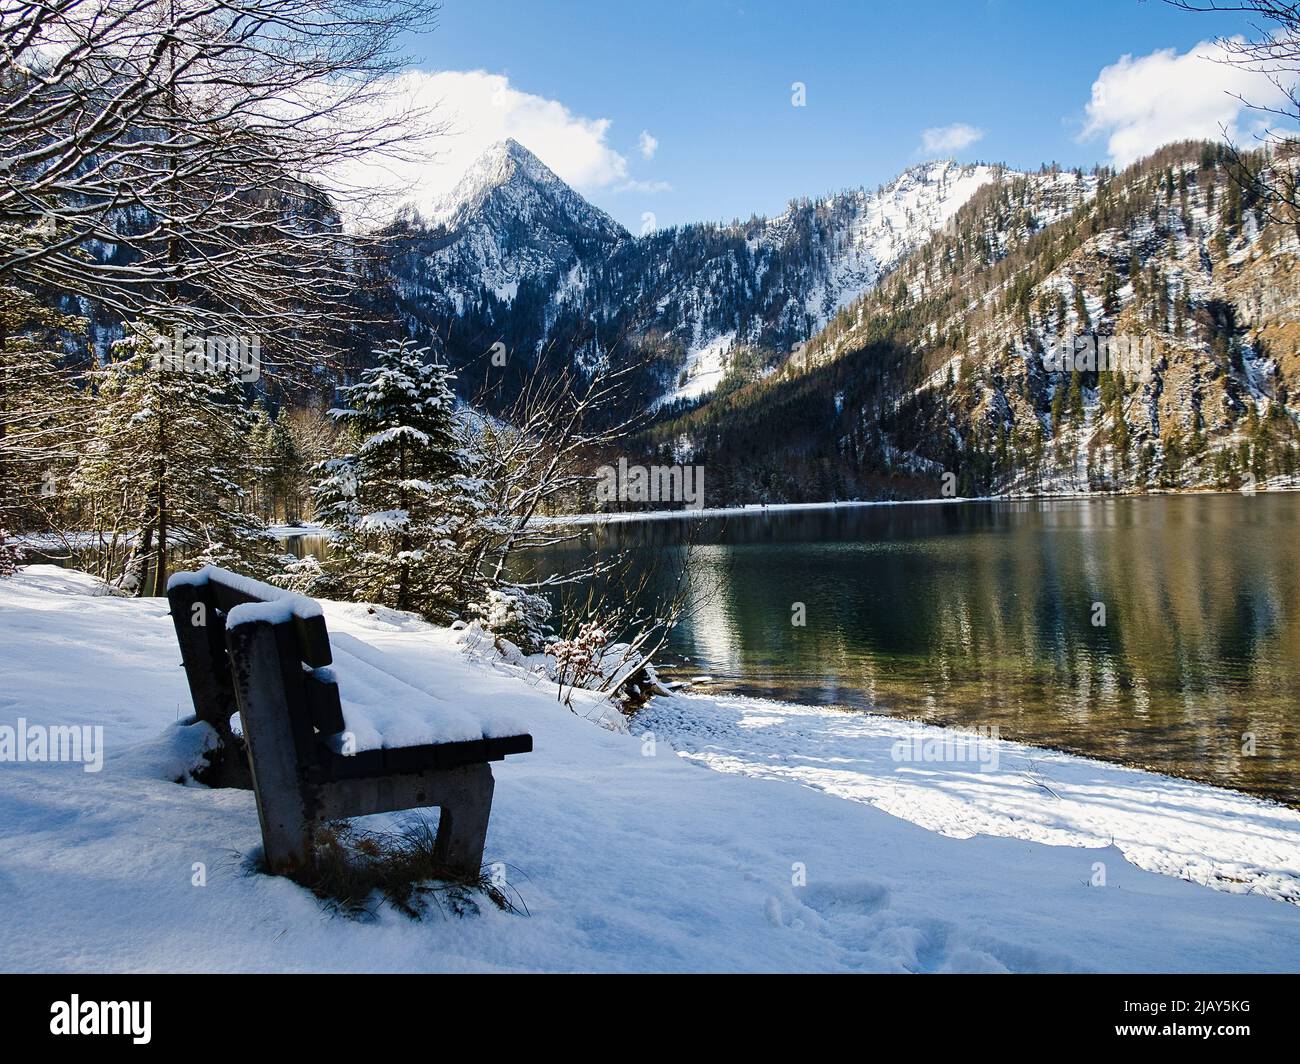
(9, 556)
(402, 501)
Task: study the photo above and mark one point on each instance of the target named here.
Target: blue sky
(578, 81)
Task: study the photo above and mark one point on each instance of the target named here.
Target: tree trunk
(404, 541)
(140, 555)
(160, 557)
(5, 476)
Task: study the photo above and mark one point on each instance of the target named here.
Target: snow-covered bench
(265, 653)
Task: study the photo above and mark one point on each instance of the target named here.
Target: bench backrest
(200, 604)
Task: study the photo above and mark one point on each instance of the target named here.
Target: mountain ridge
(513, 255)
(941, 379)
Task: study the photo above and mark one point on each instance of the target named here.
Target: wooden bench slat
(324, 704)
(413, 759)
(313, 638)
(293, 681)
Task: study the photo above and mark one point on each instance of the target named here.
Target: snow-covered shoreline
(722, 834)
(747, 510)
(1277, 485)
(757, 509)
(1206, 834)
(82, 540)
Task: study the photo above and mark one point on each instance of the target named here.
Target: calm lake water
(981, 614)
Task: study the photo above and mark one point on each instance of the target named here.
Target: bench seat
(413, 759)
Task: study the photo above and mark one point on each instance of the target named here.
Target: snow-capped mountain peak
(828, 253)
(507, 176)
(510, 222)
(516, 254)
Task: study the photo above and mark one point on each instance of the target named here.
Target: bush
(516, 615)
(10, 556)
(578, 660)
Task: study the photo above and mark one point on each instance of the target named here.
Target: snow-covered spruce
(402, 503)
(165, 466)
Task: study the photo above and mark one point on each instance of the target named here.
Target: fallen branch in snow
(1036, 778)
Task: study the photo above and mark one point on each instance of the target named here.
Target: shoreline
(713, 689)
(752, 509)
(81, 539)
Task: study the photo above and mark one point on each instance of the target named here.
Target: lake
(1161, 632)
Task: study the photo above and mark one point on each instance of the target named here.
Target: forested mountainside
(888, 343)
(949, 366)
(515, 257)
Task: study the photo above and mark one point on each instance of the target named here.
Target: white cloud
(646, 188)
(478, 109)
(943, 140)
(1140, 104)
(648, 144)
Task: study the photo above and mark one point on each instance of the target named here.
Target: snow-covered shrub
(515, 614)
(578, 660)
(10, 556)
(302, 576)
(590, 661)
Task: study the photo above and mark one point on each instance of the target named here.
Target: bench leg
(465, 806)
(463, 796)
(272, 757)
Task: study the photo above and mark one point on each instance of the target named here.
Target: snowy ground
(1208, 835)
(628, 856)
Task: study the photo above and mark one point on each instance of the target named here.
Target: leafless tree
(615, 624)
(1273, 52)
(538, 456)
(540, 452)
(205, 142)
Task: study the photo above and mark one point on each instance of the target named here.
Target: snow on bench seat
(289, 603)
(391, 693)
(393, 690)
